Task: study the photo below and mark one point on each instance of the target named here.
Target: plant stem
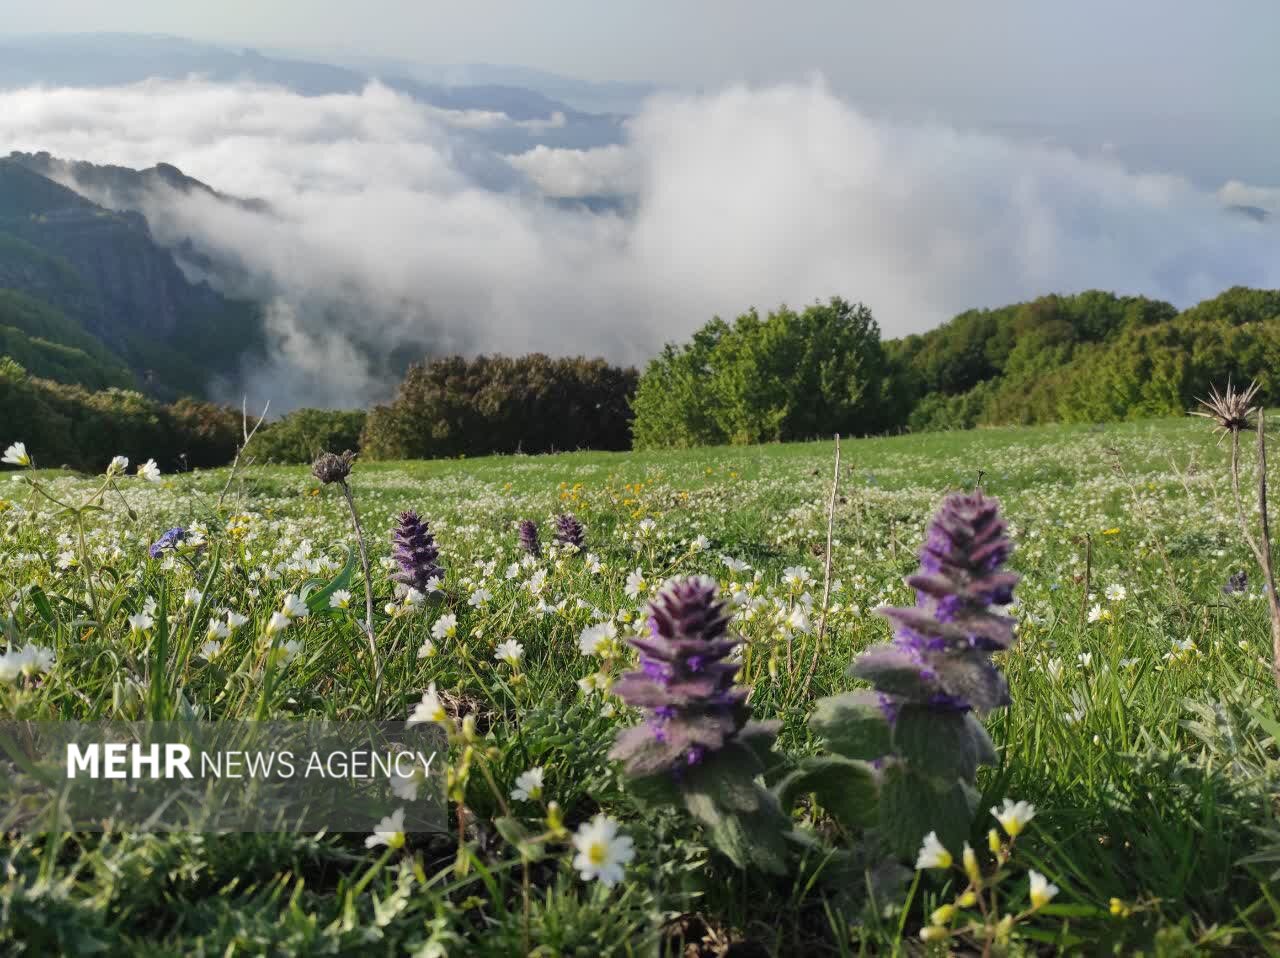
(368, 584)
(1268, 568)
(826, 580)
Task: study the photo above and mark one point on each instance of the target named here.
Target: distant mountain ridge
(73, 261)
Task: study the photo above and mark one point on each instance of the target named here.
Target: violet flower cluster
(167, 542)
(685, 685)
(415, 553)
(940, 657)
(529, 537)
(569, 531)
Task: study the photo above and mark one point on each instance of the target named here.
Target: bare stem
(368, 583)
(248, 434)
(1268, 568)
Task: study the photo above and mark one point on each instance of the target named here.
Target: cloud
(394, 233)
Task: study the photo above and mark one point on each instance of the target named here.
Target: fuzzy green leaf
(852, 724)
(846, 788)
(946, 745)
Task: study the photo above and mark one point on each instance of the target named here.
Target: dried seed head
(1231, 411)
(330, 467)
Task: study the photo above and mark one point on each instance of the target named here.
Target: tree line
(785, 375)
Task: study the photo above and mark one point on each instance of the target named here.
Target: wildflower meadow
(997, 692)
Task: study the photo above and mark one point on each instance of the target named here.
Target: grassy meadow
(1142, 726)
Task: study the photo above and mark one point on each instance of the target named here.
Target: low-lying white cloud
(383, 239)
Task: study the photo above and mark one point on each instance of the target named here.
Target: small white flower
(235, 620)
(294, 607)
(798, 620)
(191, 597)
(509, 652)
(118, 466)
(1014, 816)
(141, 622)
(1042, 890)
(700, 544)
(406, 787)
(341, 599)
(932, 854)
(602, 852)
(598, 639)
(430, 709)
(149, 471)
(479, 597)
(16, 455)
(277, 623)
(389, 831)
(529, 785)
(1115, 593)
(637, 584)
(210, 650)
(427, 649)
(1054, 668)
(218, 629)
(288, 651)
(445, 627)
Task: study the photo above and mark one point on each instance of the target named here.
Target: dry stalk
(826, 579)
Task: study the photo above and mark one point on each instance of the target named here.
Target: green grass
(1150, 766)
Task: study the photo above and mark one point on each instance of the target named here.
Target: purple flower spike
(167, 542)
(529, 537)
(416, 553)
(684, 684)
(569, 531)
(940, 657)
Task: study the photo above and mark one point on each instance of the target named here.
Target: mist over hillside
(377, 221)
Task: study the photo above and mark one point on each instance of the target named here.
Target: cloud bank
(393, 233)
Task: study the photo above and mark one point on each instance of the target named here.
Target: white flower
(797, 577)
(647, 526)
(294, 607)
(16, 455)
(1013, 816)
(799, 620)
(1054, 668)
(445, 627)
(427, 649)
(211, 650)
(1085, 659)
(598, 639)
(287, 651)
(700, 544)
(149, 471)
(479, 597)
(406, 786)
(509, 652)
(191, 597)
(637, 584)
(235, 620)
(118, 466)
(602, 852)
(932, 854)
(1115, 593)
(340, 599)
(1042, 890)
(29, 661)
(277, 623)
(528, 785)
(389, 831)
(735, 565)
(218, 629)
(430, 709)
(141, 622)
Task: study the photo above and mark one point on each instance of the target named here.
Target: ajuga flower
(1237, 583)
(569, 531)
(941, 653)
(167, 542)
(684, 683)
(529, 537)
(415, 553)
(330, 467)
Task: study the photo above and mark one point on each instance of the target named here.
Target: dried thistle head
(330, 467)
(1232, 410)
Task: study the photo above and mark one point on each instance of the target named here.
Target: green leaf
(913, 804)
(852, 724)
(318, 601)
(756, 838)
(846, 788)
(41, 602)
(945, 745)
(726, 780)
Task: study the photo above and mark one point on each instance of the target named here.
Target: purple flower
(569, 531)
(529, 537)
(1237, 583)
(684, 684)
(167, 542)
(415, 552)
(940, 657)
